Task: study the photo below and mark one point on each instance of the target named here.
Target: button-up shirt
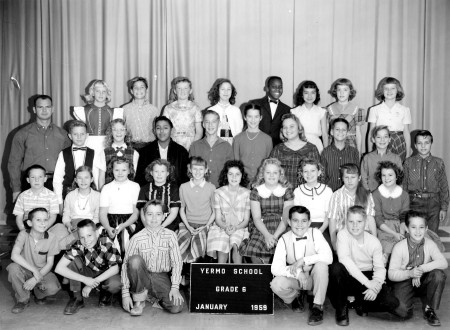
(35, 144)
(160, 251)
(426, 175)
(139, 120)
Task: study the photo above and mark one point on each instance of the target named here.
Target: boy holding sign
(301, 263)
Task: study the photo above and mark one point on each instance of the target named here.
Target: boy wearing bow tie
(69, 159)
(301, 263)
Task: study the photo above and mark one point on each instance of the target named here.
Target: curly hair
(379, 92)
(214, 92)
(299, 100)
(90, 96)
(391, 166)
(310, 161)
(162, 162)
(80, 169)
(173, 87)
(109, 140)
(259, 178)
(301, 130)
(223, 177)
(119, 160)
(342, 82)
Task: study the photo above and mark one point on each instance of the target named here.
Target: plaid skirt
(219, 241)
(192, 247)
(255, 245)
(121, 241)
(387, 240)
(398, 144)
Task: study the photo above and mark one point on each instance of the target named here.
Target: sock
(77, 295)
(427, 308)
(318, 306)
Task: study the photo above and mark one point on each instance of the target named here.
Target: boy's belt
(423, 195)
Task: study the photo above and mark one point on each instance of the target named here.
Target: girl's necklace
(223, 105)
(251, 139)
(82, 197)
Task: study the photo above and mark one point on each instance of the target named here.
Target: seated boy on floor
(360, 271)
(301, 263)
(33, 255)
(94, 261)
(416, 269)
(151, 255)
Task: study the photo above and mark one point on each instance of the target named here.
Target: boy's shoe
(316, 316)
(42, 301)
(73, 306)
(19, 307)
(342, 317)
(360, 310)
(138, 308)
(105, 299)
(298, 304)
(431, 317)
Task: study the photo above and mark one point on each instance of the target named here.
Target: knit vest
(291, 256)
(110, 152)
(69, 170)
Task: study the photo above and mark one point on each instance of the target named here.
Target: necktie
(273, 101)
(80, 148)
(300, 238)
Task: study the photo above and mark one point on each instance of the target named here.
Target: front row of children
(303, 261)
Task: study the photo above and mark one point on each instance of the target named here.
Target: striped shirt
(332, 158)
(28, 201)
(426, 175)
(340, 201)
(160, 251)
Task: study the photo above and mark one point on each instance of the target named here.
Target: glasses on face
(119, 129)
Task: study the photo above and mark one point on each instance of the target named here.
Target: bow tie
(300, 238)
(273, 101)
(119, 148)
(80, 148)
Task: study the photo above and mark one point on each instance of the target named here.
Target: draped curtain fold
(57, 47)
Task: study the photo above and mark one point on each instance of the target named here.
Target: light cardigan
(434, 259)
(234, 117)
(69, 212)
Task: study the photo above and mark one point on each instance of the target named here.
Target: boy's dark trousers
(429, 205)
(342, 285)
(430, 291)
(112, 284)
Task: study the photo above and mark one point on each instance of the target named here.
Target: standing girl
(294, 148)
(351, 193)
(118, 199)
(184, 113)
(81, 203)
(391, 204)
(311, 116)
(270, 201)
(118, 144)
(313, 194)
(392, 114)
(343, 92)
(196, 211)
(232, 209)
(222, 96)
(162, 187)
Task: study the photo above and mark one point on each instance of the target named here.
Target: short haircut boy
(35, 167)
(339, 120)
(424, 133)
(300, 210)
(76, 123)
(380, 128)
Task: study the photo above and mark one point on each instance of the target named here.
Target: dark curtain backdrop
(57, 47)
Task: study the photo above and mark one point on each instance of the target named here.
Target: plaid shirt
(100, 258)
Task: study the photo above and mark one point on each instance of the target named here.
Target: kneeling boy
(33, 255)
(360, 271)
(94, 261)
(301, 263)
(416, 268)
(151, 255)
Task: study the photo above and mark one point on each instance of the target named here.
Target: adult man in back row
(38, 143)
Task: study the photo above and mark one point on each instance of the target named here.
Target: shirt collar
(115, 145)
(202, 184)
(265, 192)
(397, 192)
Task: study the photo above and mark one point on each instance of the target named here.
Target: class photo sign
(231, 289)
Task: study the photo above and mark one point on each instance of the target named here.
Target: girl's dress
(290, 159)
(233, 207)
(395, 118)
(352, 114)
(310, 120)
(389, 208)
(167, 193)
(183, 119)
(231, 122)
(271, 204)
(116, 151)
